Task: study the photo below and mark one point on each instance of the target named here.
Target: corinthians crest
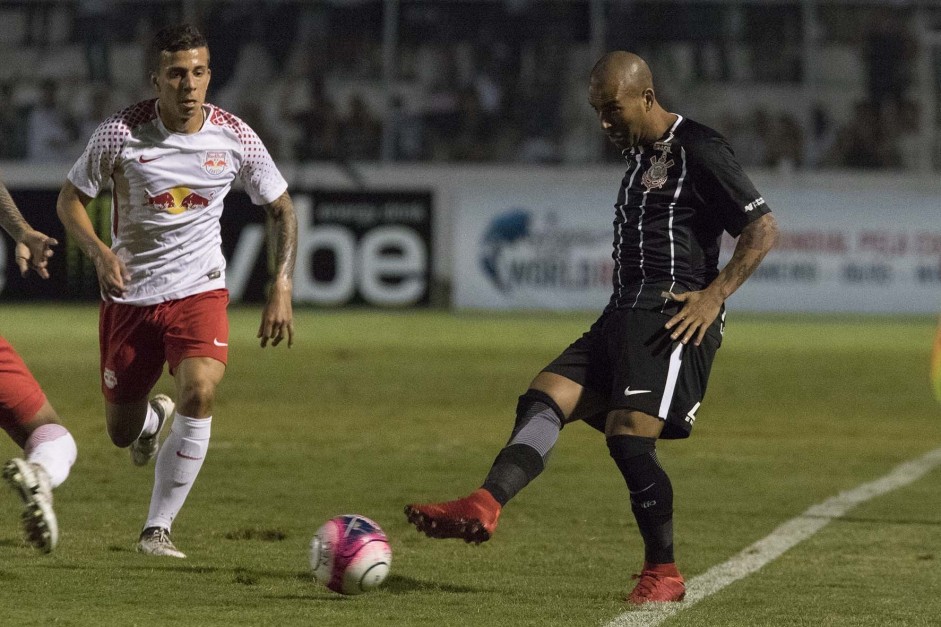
(656, 174)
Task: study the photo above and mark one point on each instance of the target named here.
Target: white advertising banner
(869, 244)
(541, 241)
(849, 243)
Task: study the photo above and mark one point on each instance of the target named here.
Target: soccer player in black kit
(640, 372)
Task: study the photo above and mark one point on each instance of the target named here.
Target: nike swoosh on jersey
(218, 343)
(143, 160)
(630, 392)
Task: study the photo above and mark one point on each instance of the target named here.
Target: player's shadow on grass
(399, 584)
(395, 584)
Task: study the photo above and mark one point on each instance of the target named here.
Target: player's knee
(196, 398)
(20, 431)
(46, 415)
(538, 423)
(630, 422)
(626, 447)
(534, 402)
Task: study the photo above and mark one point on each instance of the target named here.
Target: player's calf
(145, 447)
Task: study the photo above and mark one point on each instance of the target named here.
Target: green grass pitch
(371, 410)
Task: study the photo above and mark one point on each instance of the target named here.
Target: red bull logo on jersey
(178, 200)
(214, 162)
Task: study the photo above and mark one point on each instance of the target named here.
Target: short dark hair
(174, 39)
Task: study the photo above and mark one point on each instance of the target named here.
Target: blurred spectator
(100, 105)
(487, 81)
(766, 140)
(540, 120)
(251, 112)
(786, 143)
(442, 103)
(822, 135)
(472, 140)
(749, 137)
(319, 128)
(913, 146)
(93, 24)
(48, 130)
(360, 132)
(863, 141)
(408, 131)
(889, 50)
(774, 34)
(12, 125)
(38, 23)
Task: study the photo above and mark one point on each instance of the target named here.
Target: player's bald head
(621, 93)
(622, 70)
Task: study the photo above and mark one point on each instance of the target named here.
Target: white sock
(151, 422)
(52, 447)
(178, 462)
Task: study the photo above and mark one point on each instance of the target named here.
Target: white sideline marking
(771, 547)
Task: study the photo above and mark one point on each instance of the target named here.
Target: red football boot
(658, 583)
(472, 518)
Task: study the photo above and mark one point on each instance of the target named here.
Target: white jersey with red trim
(167, 193)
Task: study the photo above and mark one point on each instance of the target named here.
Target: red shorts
(136, 341)
(21, 398)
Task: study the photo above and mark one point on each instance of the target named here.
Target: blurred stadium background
(442, 156)
(460, 130)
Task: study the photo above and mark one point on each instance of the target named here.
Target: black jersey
(677, 197)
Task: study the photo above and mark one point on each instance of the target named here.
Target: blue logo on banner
(504, 230)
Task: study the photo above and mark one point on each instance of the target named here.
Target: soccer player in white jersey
(48, 448)
(171, 161)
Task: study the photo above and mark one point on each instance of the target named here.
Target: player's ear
(649, 99)
(153, 79)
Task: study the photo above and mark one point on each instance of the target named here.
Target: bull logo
(162, 202)
(214, 162)
(194, 201)
(178, 200)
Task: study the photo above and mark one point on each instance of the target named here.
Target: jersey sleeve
(724, 186)
(94, 168)
(260, 176)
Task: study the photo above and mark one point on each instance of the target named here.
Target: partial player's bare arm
(11, 219)
(277, 320)
(33, 249)
(701, 308)
(70, 207)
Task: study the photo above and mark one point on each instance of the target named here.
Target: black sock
(651, 493)
(538, 422)
(512, 470)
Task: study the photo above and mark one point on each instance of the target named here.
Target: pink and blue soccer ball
(350, 554)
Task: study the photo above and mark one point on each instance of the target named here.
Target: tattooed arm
(277, 320)
(33, 248)
(701, 308)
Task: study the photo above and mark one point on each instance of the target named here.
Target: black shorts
(627, 356)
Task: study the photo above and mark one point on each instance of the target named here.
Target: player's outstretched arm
(33, 249)
(112, 273)
(277, 319)
(701, 308)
